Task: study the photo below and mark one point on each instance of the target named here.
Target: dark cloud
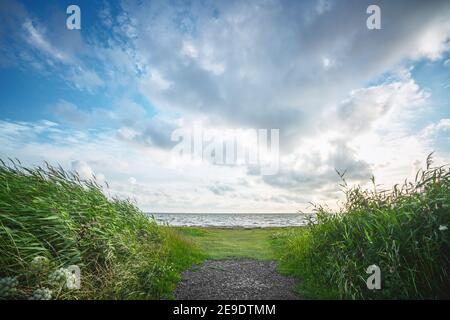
(321, 173)
(260, 64)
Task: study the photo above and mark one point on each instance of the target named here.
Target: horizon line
(148, 212)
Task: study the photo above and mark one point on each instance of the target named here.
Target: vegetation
(51, 219)
(218, 243)
(404, 231)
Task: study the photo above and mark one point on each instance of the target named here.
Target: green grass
(220, 243)
(50, 219)
(404, 231)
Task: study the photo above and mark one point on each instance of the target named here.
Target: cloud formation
(344, 97)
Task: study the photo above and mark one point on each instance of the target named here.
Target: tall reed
(51, 219)
(404, 231)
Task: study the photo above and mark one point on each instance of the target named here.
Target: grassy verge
(403, 231)
(50, 219)
(218, 243)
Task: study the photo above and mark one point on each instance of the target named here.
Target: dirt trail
(236, 279)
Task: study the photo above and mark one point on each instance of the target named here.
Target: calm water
(231, 220)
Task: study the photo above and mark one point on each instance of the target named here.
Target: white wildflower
(58, 277)
(39, 263)
(8, 287)
(41, 294)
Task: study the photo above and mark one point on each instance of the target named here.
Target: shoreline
(233, 227)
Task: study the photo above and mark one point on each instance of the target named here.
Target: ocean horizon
(232, 220)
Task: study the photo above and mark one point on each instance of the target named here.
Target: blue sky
(105, 100)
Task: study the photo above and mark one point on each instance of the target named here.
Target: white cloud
(307, 68)
(258, 65)
(69, 112)
(83, 169)
(432, 42)
(434, 130)
(157, 81)
(45, 46)
(386, 106)
(37, 39)
(86, 79)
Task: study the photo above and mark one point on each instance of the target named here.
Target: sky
(105, 100)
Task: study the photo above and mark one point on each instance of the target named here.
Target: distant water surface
(230, 220)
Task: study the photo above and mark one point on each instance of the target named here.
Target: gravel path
(235, 279)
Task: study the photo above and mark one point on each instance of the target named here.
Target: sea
(232, 220)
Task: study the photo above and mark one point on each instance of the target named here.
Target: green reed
(404, 231)
(51, 219)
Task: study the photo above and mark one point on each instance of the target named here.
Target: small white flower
(442, 228)
(58, 277)
(40, 260)
(8, 286)
(39, 263)
(41, 294)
